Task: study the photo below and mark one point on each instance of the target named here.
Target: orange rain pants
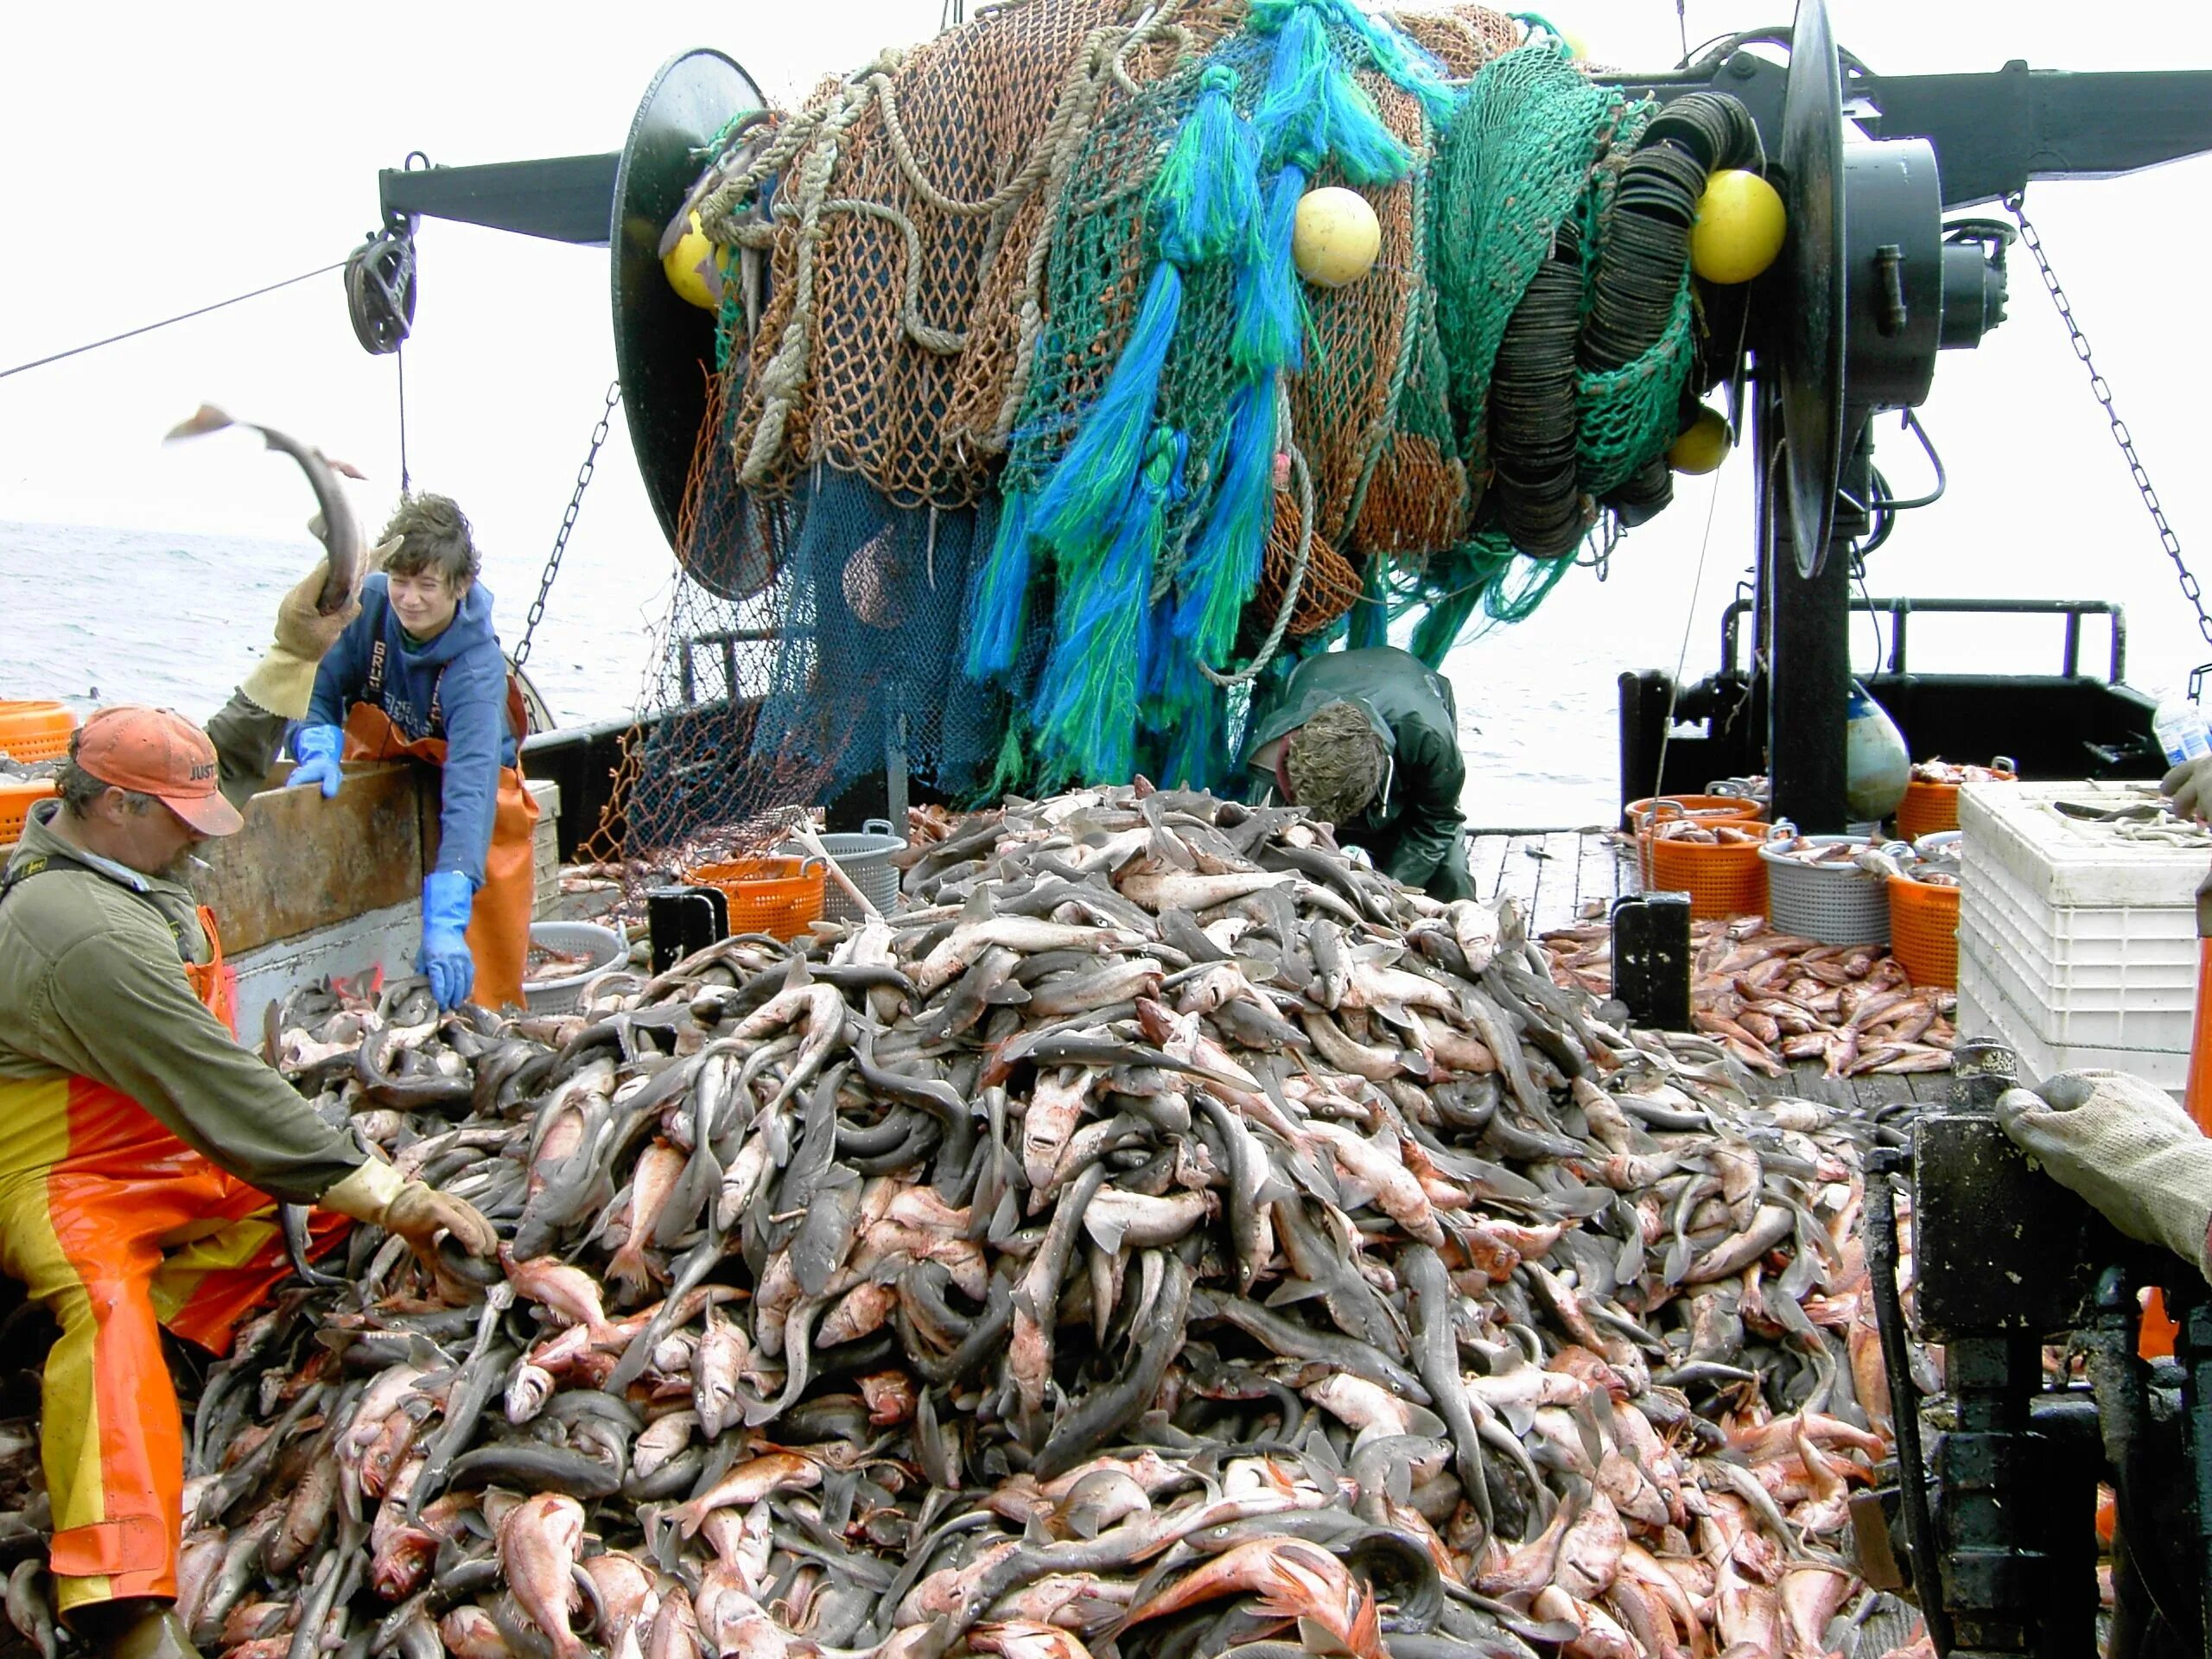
(118, 1227)
(498, 921)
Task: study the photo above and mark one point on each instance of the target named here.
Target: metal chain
(2102, 392)
(567, 522)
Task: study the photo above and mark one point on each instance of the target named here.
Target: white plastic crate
(1986, 1011)
(2066, 863)
(2076, 938)
(2123, 977)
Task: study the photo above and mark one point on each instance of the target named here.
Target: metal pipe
(1900, 606)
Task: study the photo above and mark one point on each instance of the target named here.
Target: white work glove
(416, 1211)
(2188, 786)
(282, 681)
(2124, 1145)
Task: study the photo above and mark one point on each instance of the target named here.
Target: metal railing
(1900, 610)
(727, 640)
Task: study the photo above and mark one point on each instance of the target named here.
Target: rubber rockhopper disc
(665, 347)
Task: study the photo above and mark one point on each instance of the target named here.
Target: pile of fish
(1708, 835)
(1164, 1237)
(927, 825)
(1825, 852)
(1939, 771)
(1772, 998)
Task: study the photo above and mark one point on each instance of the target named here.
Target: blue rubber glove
(448, 896)
(316, 750)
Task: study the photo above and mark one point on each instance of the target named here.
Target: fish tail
(205, 418)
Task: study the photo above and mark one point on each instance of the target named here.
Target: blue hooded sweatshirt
(461, 676)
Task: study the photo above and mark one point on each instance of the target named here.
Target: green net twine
(1626, 415)
(1510, 166)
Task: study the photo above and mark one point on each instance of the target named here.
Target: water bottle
(2179, 726)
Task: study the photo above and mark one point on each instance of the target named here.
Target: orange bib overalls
(118, 1227)
(499, 920)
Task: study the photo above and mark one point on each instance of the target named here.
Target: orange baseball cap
(158, 752)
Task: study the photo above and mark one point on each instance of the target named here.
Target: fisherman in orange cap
(142, 1150)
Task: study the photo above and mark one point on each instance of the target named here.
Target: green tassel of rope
(998, 613)
(1222, 568)
(1087, 725)
(1389, 50)
(1204, 204)
(1206, 195)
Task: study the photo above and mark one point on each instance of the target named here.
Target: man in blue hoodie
(420, 673)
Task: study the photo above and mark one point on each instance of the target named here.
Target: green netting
(1373, 398)
(1626, 415)
(1512, 165)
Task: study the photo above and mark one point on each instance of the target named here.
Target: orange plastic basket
(31, 732)
(1928, 808)
(1721, 880)
(1708, 810)
(1924, 931)
(16, 799)
(780, 897)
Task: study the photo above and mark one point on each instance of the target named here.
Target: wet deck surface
(1565, 877)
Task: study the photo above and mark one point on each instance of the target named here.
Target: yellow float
(1335, 237)
(1702, 447)
(682, 264)
(1740, 227)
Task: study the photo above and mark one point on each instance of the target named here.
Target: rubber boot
(139, 1628)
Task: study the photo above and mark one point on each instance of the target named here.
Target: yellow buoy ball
(1703, 447)
(682, 263)
(1335, 237)
(1740, 227)
(1577, 48)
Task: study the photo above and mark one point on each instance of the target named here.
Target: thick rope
(1273, 643)
(786, 372)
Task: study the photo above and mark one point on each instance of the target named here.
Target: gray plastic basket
(608, 948)
(865, 857)
(1835, 903)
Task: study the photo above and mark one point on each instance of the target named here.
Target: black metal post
(1808, 655)
(1651, 959)
(1991, 1581)
(2193, 1348)
(681, 921)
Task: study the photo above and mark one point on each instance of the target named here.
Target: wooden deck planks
(1601, 873)
(1485, 857)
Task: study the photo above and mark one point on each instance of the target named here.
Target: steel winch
(1991, 1520)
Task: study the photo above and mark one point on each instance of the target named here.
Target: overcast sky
(160, 157)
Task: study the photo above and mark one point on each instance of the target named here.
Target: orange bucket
(1710, 810)
(16, 799)
(780, 897)
(1924, 931)
(1928, 808)
(31, 732)
(1721, 880)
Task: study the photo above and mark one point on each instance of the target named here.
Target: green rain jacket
(91, 983)
(1415, 831)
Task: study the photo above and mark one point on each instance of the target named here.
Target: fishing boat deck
(1563, 877)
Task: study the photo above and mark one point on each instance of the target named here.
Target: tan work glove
(2124, 1145)
(417, 1212)
(284, 680)
(2188, 787)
